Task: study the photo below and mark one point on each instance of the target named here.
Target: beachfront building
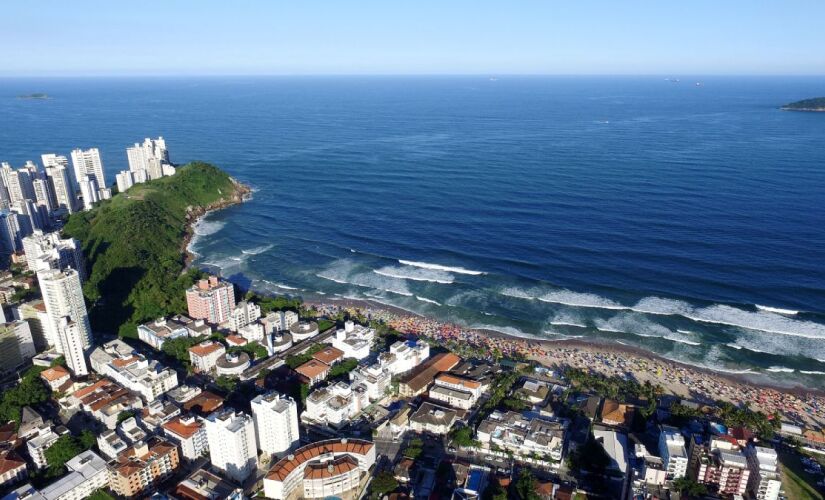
(303, 330)
(338, 468)
(276, 423)
(404, 356)
(723, 467)
(49, 251)
(142, 467)
(189, 434)
(354, 341)
(375, 379)
(335, 405)
(204, 356)
(673, 453)
(211, 299)
(458, 392)
(16, 345)
(523, 435)
(243, 314)
(232, 447)
(67, 316)
(764, 482)
(132, 370)
(433, 419)
(419, 379)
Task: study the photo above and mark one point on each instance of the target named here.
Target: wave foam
(257, 250)
(780, 369)
(642, 327)
(439, 267)
(564, 297)
(812, 372)
(429, 301)
(777, 310)
(415, 274)
(206, 227)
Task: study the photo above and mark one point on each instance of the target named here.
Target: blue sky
(80, 37)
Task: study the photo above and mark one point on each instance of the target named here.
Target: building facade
(276, 423)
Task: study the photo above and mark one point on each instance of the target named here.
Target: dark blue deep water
(632, 210)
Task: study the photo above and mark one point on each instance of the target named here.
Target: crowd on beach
(678, 379)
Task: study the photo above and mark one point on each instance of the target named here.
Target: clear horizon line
(387, 75)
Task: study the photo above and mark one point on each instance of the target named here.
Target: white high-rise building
(19, 185)
(125, 179)
(673, 453)
(66, 310)
(89, 192)
(232, 448)
(48, 251)
(16, 345)
(764, 482)
(276, 423)
(88, 163)
(149, 157)
(42, 194)
(53, 160)
(62, 187)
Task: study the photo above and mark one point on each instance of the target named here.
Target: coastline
(194, 215)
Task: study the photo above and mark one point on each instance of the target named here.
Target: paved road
(274, 361)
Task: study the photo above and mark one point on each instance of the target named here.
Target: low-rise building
(253, 332)
(419, 379)
(57, 378)
(104, 400)
(87, 473)
(336, 468)
(110, 444)
(313, 371)
(374, 378)
(189, 434)
(355, 341)
(142, 467)
(615, 445)
(335, 405)
(616, 414)
(243, 314)
(457, 392)
(41, 442)
(157, 413)
(329, 355)
(303, 330)
(155, 333)
(203, 485)
(118, 361)
(523, 435)
(433, 419)
(204, 356)
(232, 364)
(404, 356)
(12, 468)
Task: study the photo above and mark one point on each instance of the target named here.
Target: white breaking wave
(429, 301)
(780, 369)
(343, 282)
(438, 267)
(206, 227)
(567, 318)
(564, 297)
(777, 310)
(415, 274)
(344, 272)
(562, 323)
(734, 346)
(642, 327)
(507, 330)
(285, 287)
(257, 250)
(812, 372)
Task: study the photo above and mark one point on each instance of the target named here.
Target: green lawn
(798, 484)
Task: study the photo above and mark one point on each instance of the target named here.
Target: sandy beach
(803, 405)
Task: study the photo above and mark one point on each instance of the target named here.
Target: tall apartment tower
(49, 251)
(211, 299)
(67, 315)
(231, 437)
(276, 423)
(87, 163)
(149, 157)
(62, 187)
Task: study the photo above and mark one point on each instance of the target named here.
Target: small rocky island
(816, 104)
(36, 95)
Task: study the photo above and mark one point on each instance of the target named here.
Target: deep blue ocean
(636, 210)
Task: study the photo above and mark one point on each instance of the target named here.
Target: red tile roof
(53, 374)
(312, 369)
(285, 466)
(329, 355)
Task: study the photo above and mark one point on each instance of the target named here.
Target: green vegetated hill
(815, 104)
(133, 245)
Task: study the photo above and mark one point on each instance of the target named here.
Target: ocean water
(684, 219)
